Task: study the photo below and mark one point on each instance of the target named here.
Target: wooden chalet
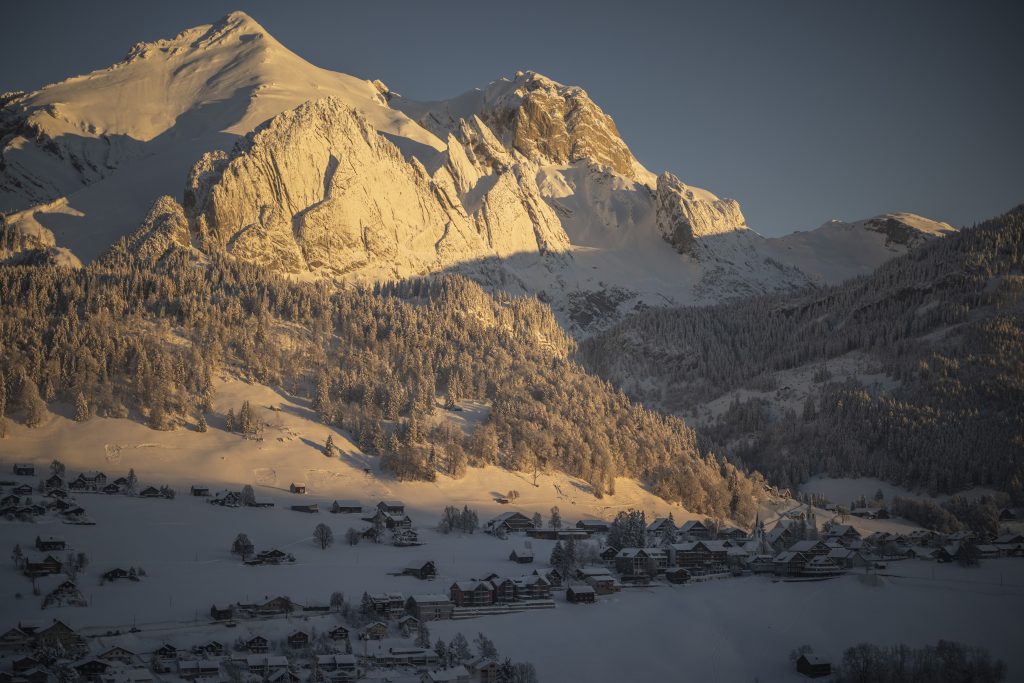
(257, 645)
(119, 573)
(391, 507)
(348, 507)
(165, 653)
(472, 593)
(199, 490)
(579, 594)
(509, 522)
(22, 490)
(409, 625)
(58, 633)
(813, 666)
(388, 605)
(810, 548)
(389, 520)
(521, 555)
(421, 570)
(297, 640)
(336, 662)
(788, 563)
(599, 579)
(309, 509)
(198, 669)
(662, 527)
(640, 562)
(297, 487)
(118, 653)
(532, 587)
(677, 575)
(24, 470)
(92, 669)
(553, 576)
(54, 481)
(338, 633)
(112, 489)
(150, 492)
(15, 639)
(594, 526)
(504, 589)
(378, 630)
(48, 543)
(483, 669)
(699, 554)
(695, 530)
(430, 607)
(222, 613)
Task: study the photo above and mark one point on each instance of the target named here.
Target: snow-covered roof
(582, 589)
(803, 546)
(453, 674)
(429, 598)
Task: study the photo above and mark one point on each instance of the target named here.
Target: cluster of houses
(56, 493)
(17, 501)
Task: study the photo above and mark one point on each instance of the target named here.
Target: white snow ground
(730, 630)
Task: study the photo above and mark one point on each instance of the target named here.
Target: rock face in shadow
(318, 190)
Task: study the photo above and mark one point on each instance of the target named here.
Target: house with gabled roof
(522, 555)
(472, 593)
(391, 507)
(297, 640)
(661, 527)
(430, 606)
(633, 563)
(378, 630)
(509, 522)
(695, 529)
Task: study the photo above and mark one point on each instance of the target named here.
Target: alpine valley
(230, 272)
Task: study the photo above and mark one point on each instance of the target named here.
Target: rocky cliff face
(319, 190)
(686, 215)
(545, 121)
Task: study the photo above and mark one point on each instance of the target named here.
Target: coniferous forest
(142, 332)
(943, 324)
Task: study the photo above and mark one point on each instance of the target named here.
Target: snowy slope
(113, 140)
(837, 250)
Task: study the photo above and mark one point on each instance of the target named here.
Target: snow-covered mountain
(837, 250)
(525, 185)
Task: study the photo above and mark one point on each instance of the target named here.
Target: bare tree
(323, 535)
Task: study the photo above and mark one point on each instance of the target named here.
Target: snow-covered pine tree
(81, 408)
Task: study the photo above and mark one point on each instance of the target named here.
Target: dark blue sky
(803, 111)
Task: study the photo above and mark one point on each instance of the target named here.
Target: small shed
(521, 555)
(297, 487)
(813, 666)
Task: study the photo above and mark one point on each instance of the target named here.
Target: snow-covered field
(729, 630)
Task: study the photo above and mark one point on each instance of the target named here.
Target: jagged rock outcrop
(545, 121)
(318, 189)
(686, 214)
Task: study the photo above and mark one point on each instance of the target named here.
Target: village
(385, 635)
